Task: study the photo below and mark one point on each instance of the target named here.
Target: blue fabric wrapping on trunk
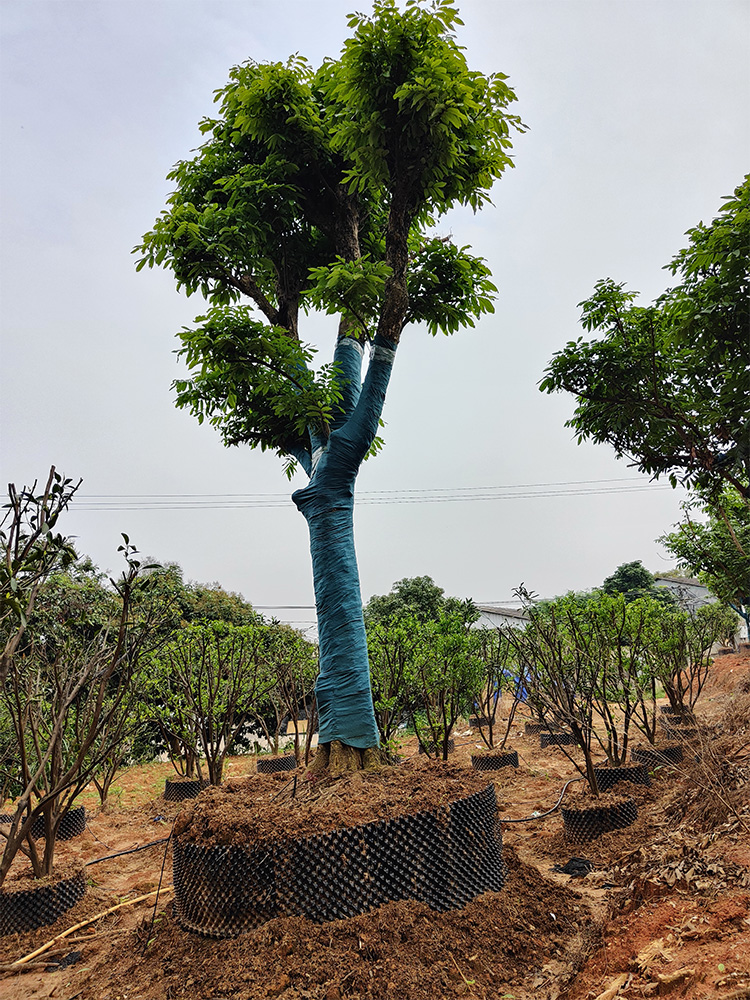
(343, 692)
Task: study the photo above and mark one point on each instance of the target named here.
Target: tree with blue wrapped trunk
(318, 189)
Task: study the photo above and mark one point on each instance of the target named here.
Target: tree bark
(343, 695)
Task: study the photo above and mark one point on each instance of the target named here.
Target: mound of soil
(275, 807)
(403, 951)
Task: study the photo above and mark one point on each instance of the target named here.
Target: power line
(240, 501)
(519, 486)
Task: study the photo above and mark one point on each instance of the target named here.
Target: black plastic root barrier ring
(655, 756)
(588, 824)
(436, 748)
(669, 711)
(72, 824)
(677, 733)
(179, 791)
(31, 908)
(556, 740)
(271, 765)
(608, 777)
(494, 761)
(667, 721)
(444, 857)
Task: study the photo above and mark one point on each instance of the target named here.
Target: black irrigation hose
(528, 819)
(132, 850)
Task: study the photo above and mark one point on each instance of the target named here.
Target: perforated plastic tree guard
(588, 824)
(534, 728)
(270, 765)
(32, 908)
(180, 791)
(688, 733)
(655, 756)
(494, 761)
(556, 740)
(443, 857)
(72, 824)
(608, 777)
(669, 712)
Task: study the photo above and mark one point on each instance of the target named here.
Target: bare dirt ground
(665, 909)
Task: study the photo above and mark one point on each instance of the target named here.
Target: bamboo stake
(85, 923)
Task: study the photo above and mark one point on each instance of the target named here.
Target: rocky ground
(663, 910)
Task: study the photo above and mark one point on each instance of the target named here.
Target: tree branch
(247, 284)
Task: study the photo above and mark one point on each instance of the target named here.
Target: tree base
(335, 759)
(426, 832)
(27, 909)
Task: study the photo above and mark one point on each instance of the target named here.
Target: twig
(26, 968)
(469, 982)
(85, 923)
(6, 967)
(158, 888)
(97, 934)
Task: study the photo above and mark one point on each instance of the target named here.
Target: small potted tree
(392, 645)
(66, 707)
(502, 675)
(210, 676)
(447, 668)
(291, 666)
(677, 658)
(564, 652)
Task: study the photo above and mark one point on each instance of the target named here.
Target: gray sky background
(638, 122)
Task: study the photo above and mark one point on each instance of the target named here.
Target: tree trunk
(216, 768)
(343, 688)
(14, 836)
(344, 698)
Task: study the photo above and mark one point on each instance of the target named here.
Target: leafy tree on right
(717, 548)
(668, 385)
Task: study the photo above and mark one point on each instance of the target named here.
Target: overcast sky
(638, 125)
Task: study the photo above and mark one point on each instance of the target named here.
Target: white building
(689, 593)
(493, 617)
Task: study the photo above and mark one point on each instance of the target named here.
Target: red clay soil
(665, 910)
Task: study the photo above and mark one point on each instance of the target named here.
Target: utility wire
(230, 501)
(518, 486)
